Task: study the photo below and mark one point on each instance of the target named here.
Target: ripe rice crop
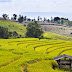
(31, 54)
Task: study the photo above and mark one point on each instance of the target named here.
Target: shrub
(4, 32)
(20, 19)
(24, 25)
(54, 65)
(15, 33)
(10, 34)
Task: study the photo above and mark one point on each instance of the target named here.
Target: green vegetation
(55, 36)
(20, 19)
(31, 54)
(33, 30)
(21, 30)
(4, 32)
(5, 16)
(12, 26)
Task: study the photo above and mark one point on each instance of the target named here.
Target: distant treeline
(21, 18)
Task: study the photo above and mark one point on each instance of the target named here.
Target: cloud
(37, 6)
(20, 6)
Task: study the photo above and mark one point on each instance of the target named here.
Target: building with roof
(64, 61)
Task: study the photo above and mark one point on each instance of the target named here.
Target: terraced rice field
(31, 54)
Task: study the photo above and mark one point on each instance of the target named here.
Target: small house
(64, 61)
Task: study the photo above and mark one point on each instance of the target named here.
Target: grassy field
(55, 36)
(12, 26)
(31, 54)
(20, 29)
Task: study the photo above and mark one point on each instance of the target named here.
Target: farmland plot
(31, 54)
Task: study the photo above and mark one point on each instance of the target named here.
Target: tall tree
(41, 19)
(38, 18)
(25, 18)
(56, 19)
(48, 21)
(20, 19)
(44, 19)
(5, 16)
(15, 16)
(33, 30)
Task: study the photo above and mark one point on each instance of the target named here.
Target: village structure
(64, 61)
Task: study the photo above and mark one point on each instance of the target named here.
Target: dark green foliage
(56, 18)
(15, 16)
(15, 33)
(10, 34)
(25, 18)
(38, 18)
(5, 16)
(4, 32)
(54, 65)
(33, 30)
(24, 25)
(64, 18)
(20, 19)
(28, 19)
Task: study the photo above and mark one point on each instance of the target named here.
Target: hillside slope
(12, 26)
(31, 54)
(55, 36)
(20, 29)
(58, 29)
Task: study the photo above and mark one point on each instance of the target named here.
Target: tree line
(58, 20)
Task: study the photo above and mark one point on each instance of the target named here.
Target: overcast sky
(20, 6)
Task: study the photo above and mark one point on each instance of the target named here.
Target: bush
(4, 32)
(10, 34)
(24, 25)
(54, 65)
(20, 19)
(15, 33)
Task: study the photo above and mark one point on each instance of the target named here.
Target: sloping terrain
(31, 54)
(61, 30)
(55, 36)
(13, 26)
